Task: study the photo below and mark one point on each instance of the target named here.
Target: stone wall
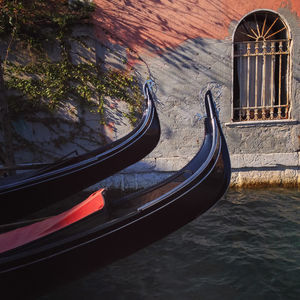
(187, 49)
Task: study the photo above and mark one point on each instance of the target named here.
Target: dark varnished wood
(128, 223)
(25, 194)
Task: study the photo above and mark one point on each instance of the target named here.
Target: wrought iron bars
(262, 80)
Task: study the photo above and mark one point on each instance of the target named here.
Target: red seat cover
(23, 235)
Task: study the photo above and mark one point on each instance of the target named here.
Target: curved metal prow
(147, 88)
(210, 106)
(212, 112)
(149, 93)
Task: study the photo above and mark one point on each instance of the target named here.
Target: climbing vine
(41, 69)
(46, 83)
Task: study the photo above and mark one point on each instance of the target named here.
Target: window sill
(262, 123)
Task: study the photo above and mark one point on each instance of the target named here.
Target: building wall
(186, 48)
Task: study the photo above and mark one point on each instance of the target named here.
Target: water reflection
(246, 247)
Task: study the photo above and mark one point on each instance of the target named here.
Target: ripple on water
(245, 247)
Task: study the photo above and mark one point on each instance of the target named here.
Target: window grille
(261, 68)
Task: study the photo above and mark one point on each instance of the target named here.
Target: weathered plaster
(186, 47)
(261, 139)
(270, 160)
(152, 26)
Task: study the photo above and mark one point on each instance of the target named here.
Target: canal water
(245, 247)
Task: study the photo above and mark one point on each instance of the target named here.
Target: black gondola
(118, 227)
(22, 195)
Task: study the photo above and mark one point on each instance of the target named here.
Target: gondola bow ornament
(29, 192)
(123, 224)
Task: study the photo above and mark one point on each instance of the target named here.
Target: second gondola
(102, 228)
(28, 192)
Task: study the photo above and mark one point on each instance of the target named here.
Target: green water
(245, 247)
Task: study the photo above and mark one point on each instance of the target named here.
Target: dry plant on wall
(44, 80)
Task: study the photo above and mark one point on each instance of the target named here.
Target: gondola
(63, 247)
(24, 194)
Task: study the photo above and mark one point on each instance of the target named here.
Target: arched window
(261, 68)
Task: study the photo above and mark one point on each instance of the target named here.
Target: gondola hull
(24, 196)
(73, 252)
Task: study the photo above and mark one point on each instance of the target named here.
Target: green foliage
(44, 84)
(29, 17)
(47, 85)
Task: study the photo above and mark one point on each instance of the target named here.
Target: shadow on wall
(175, 31)
(185, 38)
(156, 25)
(185, 35)
(135, 28)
